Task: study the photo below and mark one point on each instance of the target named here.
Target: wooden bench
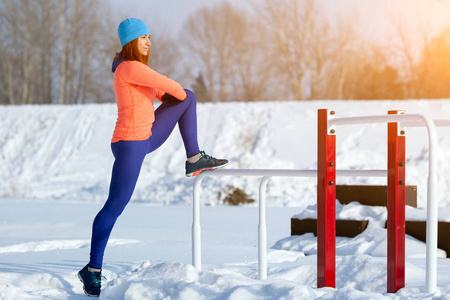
(373, 196)
(347, 228)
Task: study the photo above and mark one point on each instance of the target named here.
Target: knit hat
(131, 29)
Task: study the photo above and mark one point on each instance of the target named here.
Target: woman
(140, 129)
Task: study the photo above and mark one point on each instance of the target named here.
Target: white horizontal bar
(260, 172)
(366, 120)
(362, 173)
(437, 123)
(412, 120)
(290, 173)
(442, 123)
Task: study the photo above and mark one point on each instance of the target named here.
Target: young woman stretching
(140, 129)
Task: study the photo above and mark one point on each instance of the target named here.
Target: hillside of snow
(62, 153)
(55, 165)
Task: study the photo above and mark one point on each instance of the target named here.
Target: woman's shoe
(205, 163)
(92, 281)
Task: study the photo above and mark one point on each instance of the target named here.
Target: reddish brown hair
(130, 51)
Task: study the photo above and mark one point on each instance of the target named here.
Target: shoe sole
(205, 170)
(87, 294)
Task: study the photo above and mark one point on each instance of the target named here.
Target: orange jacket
(136, 86)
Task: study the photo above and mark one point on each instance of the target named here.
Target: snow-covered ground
(55, 164)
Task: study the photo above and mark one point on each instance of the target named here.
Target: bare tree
(433, 68)
(45, 43)
(253, 71)
(320, 54)
(411, 48)
(50, 51)
(298, 43)
(6, 63)
(80, 49)
(345, 55)
(166, 53)
(14, 60)
(26, 47)
(65, 33)
(213, 37)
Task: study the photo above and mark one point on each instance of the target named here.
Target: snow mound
(63, 152)
(57, 245)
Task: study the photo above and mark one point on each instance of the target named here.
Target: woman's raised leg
(167, 115)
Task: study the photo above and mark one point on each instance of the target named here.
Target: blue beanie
(131, 29)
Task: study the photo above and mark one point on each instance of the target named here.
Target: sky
(379, 20)
(377, 17)
(168, 13)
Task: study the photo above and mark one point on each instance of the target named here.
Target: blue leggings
(129, 156)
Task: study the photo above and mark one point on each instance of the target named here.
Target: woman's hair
(130, 51)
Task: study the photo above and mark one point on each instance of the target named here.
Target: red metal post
(396, 207)
(326, 200)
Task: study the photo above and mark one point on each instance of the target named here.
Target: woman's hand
(171, 99)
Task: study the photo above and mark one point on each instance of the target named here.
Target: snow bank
(63, 152)
(55, 165)
(44, 245)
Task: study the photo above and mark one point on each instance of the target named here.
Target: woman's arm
(137, 73)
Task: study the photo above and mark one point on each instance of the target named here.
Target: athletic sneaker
(92, 281)
(205, 163)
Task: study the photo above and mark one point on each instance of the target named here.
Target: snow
(55, 164)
